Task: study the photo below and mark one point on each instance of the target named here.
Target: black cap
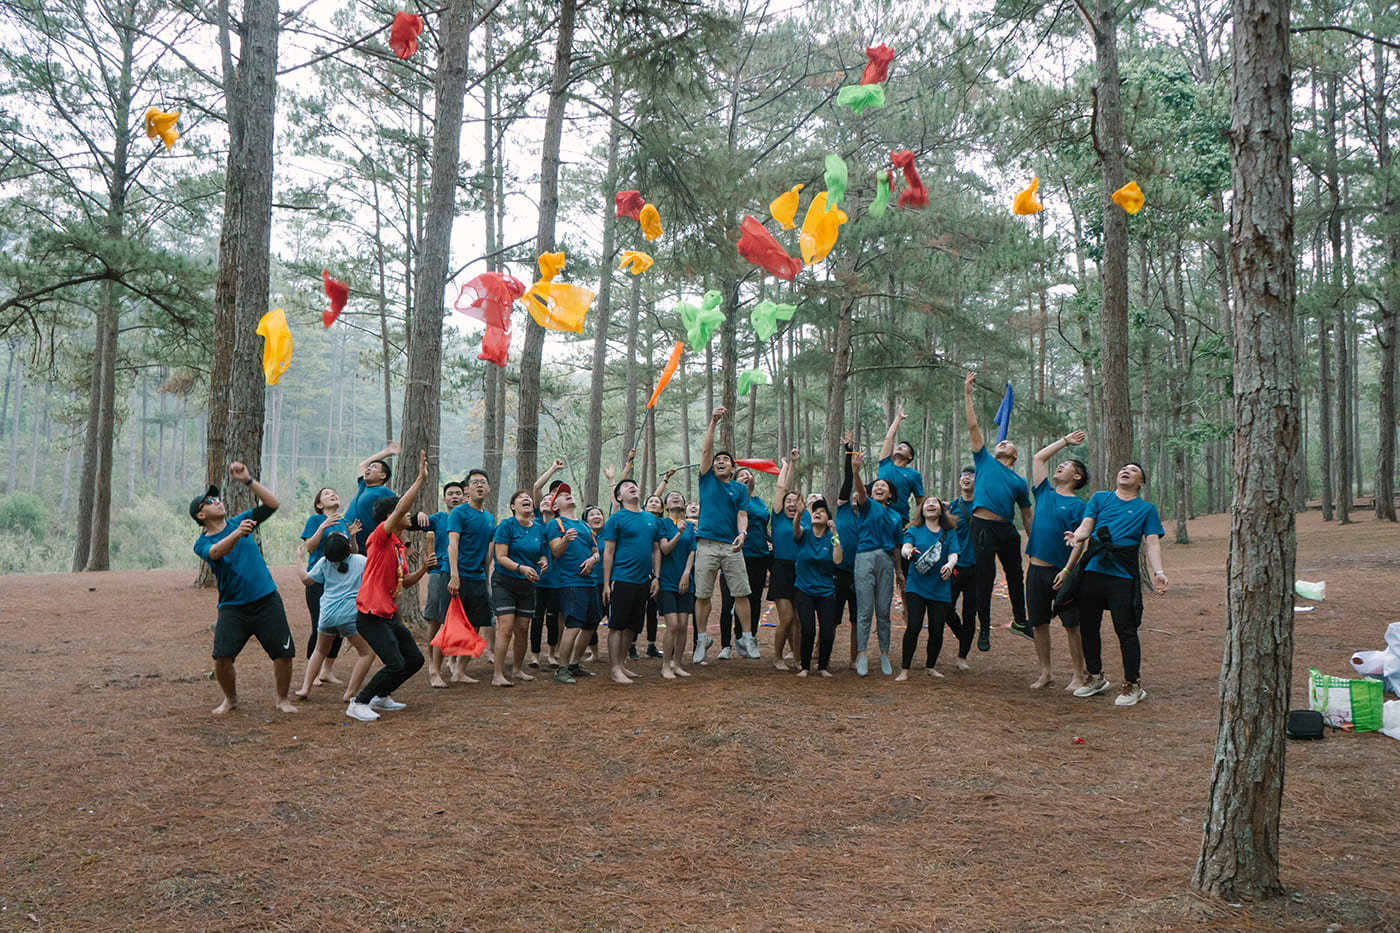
(197, 502)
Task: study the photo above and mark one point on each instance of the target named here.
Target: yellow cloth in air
(650, 220)
(819, 229)
(1026, 202)
(557, 305)
(784, 207)
(635, 261)
(1129, 197)
(159, 123)
(277, 345)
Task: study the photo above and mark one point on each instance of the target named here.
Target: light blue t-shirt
(524, 546)
(338, 597)
(1128, 521)
(999, 488)
(904, 481)
(1054, 515)
(719, 507)
(242, 573)
(816, 571)
(476, 529)
(756, 541)
(575, 552)
(879, 526)
(931, 586)
(673, 564)
(634, 534)
(962, 509)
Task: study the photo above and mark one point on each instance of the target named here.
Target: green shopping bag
(1345, 703)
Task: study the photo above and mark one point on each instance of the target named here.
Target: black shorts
(580, 606)
(512, 596)
(264, 619)
(438, 597)
(476, 602)
(675, 603)
(782, 580)
(627, 607)
(1040, 597)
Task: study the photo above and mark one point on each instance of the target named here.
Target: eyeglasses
(208, 500)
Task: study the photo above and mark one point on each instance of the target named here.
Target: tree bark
(1113, 269)
(1389, 298)
(527, 430)
(1239, 845)
(594, 464)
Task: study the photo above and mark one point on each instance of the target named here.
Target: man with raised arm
(895, 468)
(719, 537)
(249, 606)
(999, 490)
(372, 484)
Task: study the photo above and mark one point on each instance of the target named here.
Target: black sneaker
(653, 651)
(1023, 629)
(984, 639)
(632, 654)
(578, 670)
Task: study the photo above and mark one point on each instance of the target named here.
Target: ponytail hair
(337, 551)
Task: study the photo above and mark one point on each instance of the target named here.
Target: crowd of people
(539, 583)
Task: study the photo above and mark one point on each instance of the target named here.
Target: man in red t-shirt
(386, 573)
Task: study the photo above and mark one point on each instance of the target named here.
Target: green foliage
(22, 516)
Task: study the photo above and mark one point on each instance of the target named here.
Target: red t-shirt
(385, 564)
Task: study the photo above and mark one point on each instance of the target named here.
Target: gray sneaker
(726, 653)
(1094, 687)
(703, 645)
(386, 705)
(361, 711)
(752, 641)
(562, 676)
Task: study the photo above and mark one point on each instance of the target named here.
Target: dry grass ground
(741, 799)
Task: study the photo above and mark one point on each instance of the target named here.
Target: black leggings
(845, 595)
(546, 616)
(1100, 591)
(965, 585)
(651, 620)
(999, 540)
(313, 605)
(813, 613)
(939, 614)
(393, 643)
(757, 568)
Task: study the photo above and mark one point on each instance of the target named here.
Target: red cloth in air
(914, 195)
(877, 66)
(338, 292)
(403, 34)
(629, 204)
(757, 245)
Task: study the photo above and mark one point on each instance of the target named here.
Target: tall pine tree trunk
(1113, 271)
(1389, 300)
(1239, 845)
(527, 430)
(594, 464)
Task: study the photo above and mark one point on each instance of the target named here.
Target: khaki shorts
(713, 556)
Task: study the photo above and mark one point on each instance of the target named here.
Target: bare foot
(632, 674)
(464, 679)
(781, 666)
(962, 665)
(330, 678)
(824, 672)
(680, 671)
(301, 696)
(285, 706)
(229, 705)
(521, 675)
(903, 676)
(620, 677)
(1043, 681)
(435, 680)
(1075, 684)
(501, 682)
(802, 673)
(934, 673)
(667, 674)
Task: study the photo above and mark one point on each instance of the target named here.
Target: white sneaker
(725, 653)
(754, 653)
(1094, 687)
(1130, 695)
(703, 645)
(361, 711)
(386, 704)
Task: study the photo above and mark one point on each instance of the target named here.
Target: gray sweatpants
(874, 593)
